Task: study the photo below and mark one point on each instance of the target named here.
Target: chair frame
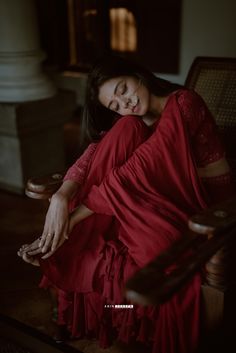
(211, 232)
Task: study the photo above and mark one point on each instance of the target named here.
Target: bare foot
(31, 249)
(28, 251)
(30, 259)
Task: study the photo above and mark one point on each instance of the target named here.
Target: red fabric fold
(155, 191)
(143, 188)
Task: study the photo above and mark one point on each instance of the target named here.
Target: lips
(135, 108)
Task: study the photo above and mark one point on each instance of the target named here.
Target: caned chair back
(215, 80)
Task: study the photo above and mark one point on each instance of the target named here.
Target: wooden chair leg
(212, 310)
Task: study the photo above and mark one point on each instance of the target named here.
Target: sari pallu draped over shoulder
(155, 191)
(142, 194)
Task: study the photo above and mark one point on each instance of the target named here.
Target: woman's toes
(30, 259)
(22, 249)
(24, 246)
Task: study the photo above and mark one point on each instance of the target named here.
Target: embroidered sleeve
(202, 128)
(78, 171)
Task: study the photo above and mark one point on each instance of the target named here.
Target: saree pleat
(143, 187)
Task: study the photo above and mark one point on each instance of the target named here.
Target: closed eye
(114, 106)
(122, 89)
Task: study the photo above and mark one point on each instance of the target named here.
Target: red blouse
(202, 129)
(204, 138)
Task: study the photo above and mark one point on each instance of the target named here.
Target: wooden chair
(212, 232)
(215, 80)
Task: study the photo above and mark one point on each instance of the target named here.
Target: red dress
(143, 186)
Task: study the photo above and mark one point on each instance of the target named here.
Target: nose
(124, 101)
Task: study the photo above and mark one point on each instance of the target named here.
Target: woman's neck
(157, 105)
(149, 119)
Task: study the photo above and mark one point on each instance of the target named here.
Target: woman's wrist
(66, 191)
(80, 213)
(60, 197)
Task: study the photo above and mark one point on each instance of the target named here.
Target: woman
(138, 184)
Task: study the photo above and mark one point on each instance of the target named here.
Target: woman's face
(125, 95)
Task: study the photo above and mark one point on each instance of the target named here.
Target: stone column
(21, 77)
(32, 113)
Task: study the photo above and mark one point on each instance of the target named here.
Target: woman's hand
(57, 219)
(56, 223)
(75, 217)
(28, 252)
(50, 252)
(58, 211)
(78, 214)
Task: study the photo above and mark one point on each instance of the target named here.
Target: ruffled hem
(87, 315)
(105, 315)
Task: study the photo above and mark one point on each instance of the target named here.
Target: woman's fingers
(61, 241)
(48, 232)
(34, 252)
(48, 241)
(51, 243)
(44, 236)
(56, 219)
(52, 235)
(30, 247)
(47, 255)
(59, 236)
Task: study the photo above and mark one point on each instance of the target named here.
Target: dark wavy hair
(96, 117)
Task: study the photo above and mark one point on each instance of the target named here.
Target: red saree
(143, 189)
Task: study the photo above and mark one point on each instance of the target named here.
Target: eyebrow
(115, 90)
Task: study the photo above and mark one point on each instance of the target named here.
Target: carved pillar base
(21, 76)
(31, 139)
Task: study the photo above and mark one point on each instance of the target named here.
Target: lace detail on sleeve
(204, 135)
(78, 171)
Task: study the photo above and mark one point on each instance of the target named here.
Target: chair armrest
(161, 278)
(44, 187)
(220, 216)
